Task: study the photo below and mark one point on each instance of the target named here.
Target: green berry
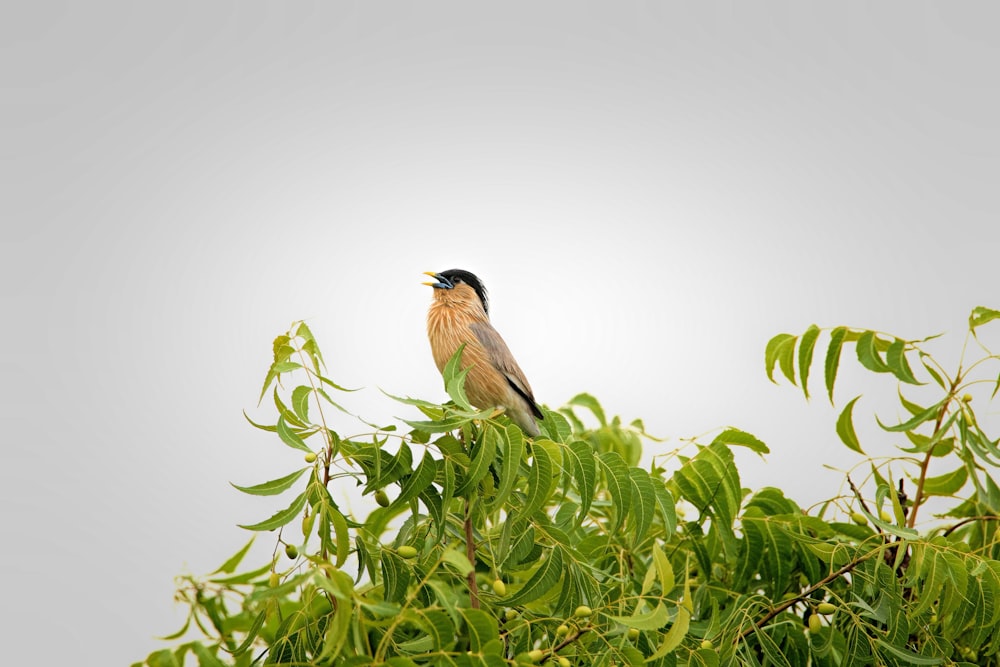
(815, 624)
(859, 518)
(825, 608)
(536, 655)
(564, 661)
(291, 551)
(583, 611)
(562, 630)
(310, 457)
(707, 644)
(406, 551)
(499, 587)
(633, 633)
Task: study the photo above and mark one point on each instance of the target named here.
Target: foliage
(484, 548)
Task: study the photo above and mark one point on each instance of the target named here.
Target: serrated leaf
(281, 518)
(587, 401)
(457, 560)
(541, 581)
(845, 427)
(786, 358)
(711, 483)
(233, 561)
(771, 353)
(832, 362)
(895, 358)
(916, 420)
(510, 450)
(290, 437)
(258, 623)
(273, 487)
(482, 628)
(947, 484)
(675, 635)
(482, 457)
(584, 470)
(908, 657)
(618, 485)
(395, 577)
(454, 379)
(643, 504)
(806, 345)
(300, 402)
(868, 354)
(417, 481)
(539, 481)
(652, 620)
(734, 436)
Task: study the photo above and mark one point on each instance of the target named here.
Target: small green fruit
(273, 580)
(536, 655)
(885, 516)
(499, 587)
(825, 608)
(707, 644)
(633, 634)
(291, 551)
(310, 457)
(406, 551)
(382, 498)
(307, 524)
(562, 630)
(859, 518)
(815, 623)
(564, 661)
(583, 611)
(510, 614)
(967, 398)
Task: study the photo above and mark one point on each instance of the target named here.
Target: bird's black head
(448, 279)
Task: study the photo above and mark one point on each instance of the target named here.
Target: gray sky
(649, 190)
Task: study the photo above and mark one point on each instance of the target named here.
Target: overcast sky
(650, 191)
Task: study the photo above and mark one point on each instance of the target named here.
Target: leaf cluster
(484, 547)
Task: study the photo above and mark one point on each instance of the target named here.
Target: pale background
(649, 190)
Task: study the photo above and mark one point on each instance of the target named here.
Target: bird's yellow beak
(439, 281)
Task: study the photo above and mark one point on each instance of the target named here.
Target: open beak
(440, 281)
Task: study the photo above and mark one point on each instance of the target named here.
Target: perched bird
(460, 314)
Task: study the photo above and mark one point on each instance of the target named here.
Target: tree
(484, 548)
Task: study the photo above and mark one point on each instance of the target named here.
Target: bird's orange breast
(448, 327)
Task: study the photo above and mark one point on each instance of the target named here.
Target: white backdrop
(649, 190)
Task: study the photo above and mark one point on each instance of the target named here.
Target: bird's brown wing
(501, 358)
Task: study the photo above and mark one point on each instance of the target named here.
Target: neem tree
(484, 548)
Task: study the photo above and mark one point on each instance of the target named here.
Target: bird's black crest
(459, 276)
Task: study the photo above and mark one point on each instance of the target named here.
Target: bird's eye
(456, 280)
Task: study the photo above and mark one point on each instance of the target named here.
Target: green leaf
(832, 362)
(285, 367)
(895, 358)
(711, 483)
(907, 656)
(652, 620)
(273, 487)
(482, 628)
(675, 635)
(772, 351)
(258, 623)
(454, 379)
(280, 518)
(482, 457)
(868, 354)
(300, 402)
(618, 484)
(980, 315)
(233, 561)
(541, 581)
(416, 482)
(510, 443)
(786, 358)
(395, 576)
(845, 427)
(806, 345)
(947, 484)
(734, 436)
(206, 657)
(643, 504)
(458, 560)
(916, 420)
(589, 402)
(581, 456)
(539, 481)
(290, 437)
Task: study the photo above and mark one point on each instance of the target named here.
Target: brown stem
(918, 497)
(809, 591)
(470, 553)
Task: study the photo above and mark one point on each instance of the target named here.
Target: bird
(459, 314)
